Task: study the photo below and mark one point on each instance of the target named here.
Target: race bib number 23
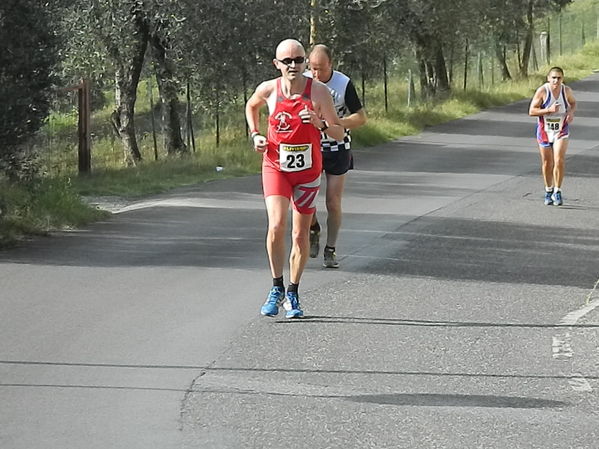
(295, 157)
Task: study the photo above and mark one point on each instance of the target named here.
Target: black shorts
(337, 162)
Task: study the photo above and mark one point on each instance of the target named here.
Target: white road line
(561, 343)
(572, 318)
(561, 346)
(579, 383)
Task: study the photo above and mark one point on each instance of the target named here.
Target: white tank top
(561, 100)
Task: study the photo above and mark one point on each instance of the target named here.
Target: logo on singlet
(283, 126)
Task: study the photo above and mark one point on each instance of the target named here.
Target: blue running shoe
(292, 306)
(557, 198)
(275, 297)
(548, 199)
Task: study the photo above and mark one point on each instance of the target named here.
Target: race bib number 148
(552, 124)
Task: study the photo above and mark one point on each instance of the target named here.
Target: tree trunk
(313, 22)
(426, 89)
(451, 63)
(440, 68)
(527, 41)
(126, 80)
(500, 53)
(433, 70)
(170, 105)
(123, 120)
(128, 60)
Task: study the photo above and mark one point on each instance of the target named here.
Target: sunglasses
(297, 60)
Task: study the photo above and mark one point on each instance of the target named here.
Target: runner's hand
(553, 108)
(259, 143)
(309, 116)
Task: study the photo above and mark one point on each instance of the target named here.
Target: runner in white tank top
(554, 106)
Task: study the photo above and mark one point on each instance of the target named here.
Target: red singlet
(292, 163)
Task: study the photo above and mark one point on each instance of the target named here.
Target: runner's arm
(536, 109)
(354, 120)
(252, 107)
(357, 116)
(326, 108)
(252, 115)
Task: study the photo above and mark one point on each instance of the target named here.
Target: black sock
(329, 248)
(292, 287)
(315, 227)
(278, 282)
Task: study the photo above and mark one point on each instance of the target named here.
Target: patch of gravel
(113, 204)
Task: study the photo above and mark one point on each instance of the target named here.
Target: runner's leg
(559, 157)
(334, 193)
(547, 164)
(277, 208)
(300, 245)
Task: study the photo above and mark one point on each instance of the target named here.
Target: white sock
(548, 189)
(557, 189)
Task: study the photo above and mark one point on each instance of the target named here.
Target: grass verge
(39, 207)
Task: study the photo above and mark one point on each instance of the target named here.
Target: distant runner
(299, 110)
(554, 105)
(337, 158)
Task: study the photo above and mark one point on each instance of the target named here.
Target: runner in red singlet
(292, 162)
(299, 109)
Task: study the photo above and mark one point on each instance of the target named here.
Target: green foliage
(27, 56)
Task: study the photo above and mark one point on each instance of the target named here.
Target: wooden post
(363, 88)
(535, 62)
(451, 61)
(544, 39)
(245, 100)
(411, 89)
(217, 118)
(189, 117)
(187, 111)
(561, 48)
(385, 82)
(548, 41)
(151, 95)
(84, 126)
(466, 51)
(481, 76)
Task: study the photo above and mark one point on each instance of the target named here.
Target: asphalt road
(464, 314)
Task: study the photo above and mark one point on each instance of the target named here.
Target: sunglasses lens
(298, 60)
